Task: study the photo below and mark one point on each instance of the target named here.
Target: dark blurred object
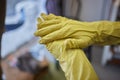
(88, 52)
(118, 14)
(54, 6)
(10, 70)
(67, 8)
(24, 66)
(28, 64)
(115, 50)
(9, 27)
(2, 19)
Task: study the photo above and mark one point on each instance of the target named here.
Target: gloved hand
(59, 33)
(73, 62)
(75, 33)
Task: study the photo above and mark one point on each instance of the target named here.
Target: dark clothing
(54, 6)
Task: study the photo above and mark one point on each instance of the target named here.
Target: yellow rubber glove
(61, 35)
(78, 34)
(72, 61)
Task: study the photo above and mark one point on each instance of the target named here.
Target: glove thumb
(78, 43)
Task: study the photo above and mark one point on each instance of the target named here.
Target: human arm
(78, 34)
(73, 62)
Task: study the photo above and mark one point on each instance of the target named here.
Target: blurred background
(20, 24)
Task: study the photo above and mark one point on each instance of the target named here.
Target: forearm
(109, 33)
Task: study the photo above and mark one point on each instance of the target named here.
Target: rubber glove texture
(73, 62)
(78, 34)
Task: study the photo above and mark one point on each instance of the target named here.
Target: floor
(108, 72)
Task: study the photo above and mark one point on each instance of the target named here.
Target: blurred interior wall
(71, 8)
(91, 10)
(86, 10)
(106, 9)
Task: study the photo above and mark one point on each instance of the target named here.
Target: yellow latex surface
(73, 62)
(78, 34)
(64, 38)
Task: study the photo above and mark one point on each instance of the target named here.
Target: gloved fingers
(77, 43)
(52, 16)
(48, 17)
(47, 30)
(47, 23)
(56, 35)
(39, 20)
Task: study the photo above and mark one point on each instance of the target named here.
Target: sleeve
(109, 32)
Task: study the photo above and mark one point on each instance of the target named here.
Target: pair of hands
(59, 33)
(74, 34)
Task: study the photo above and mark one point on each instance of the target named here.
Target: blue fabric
(9, 27)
